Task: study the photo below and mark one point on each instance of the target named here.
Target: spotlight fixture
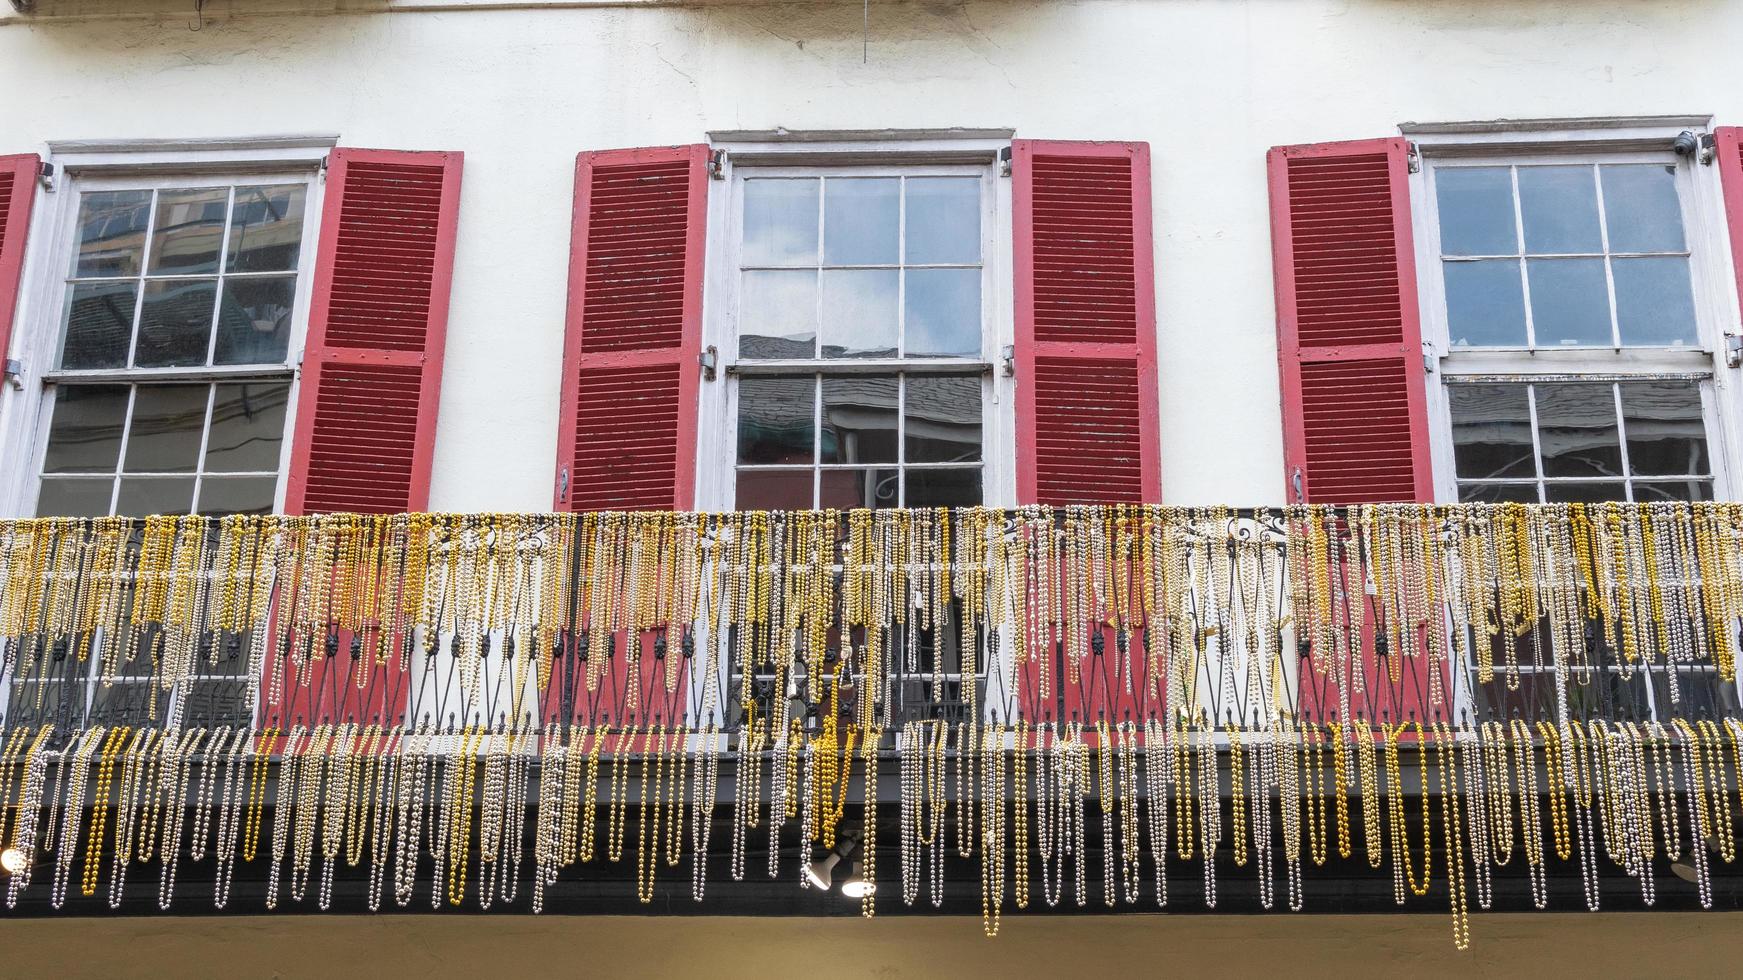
(12, 859)
(1684, 866)
(821, 872)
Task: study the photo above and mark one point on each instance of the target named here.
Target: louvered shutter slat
(17, 193)
(372, 368)
(630, 375)
(1348, 332)
(1086, 328)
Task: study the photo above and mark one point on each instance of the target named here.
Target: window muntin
(861, 313)
(1561, 255)
(1565, 441)
(172, 377)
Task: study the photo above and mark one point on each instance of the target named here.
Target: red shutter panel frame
(1349, 337)
(372, 367)
(630, 373)
(1087, 396)
(1730, 158)
(17, 194)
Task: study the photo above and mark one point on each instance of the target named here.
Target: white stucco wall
(1210, 84)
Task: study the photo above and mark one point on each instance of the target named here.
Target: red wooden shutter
(372, 367)
(1085, 323)
(627, 436)
(17, 193)
(1730, 158)
(1349, 340)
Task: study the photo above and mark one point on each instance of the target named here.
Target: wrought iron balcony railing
(505, 695)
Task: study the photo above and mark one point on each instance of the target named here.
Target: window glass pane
(175, 322)
(165, 434)
(1641, 211)
(1667, 435)
(1498, 493)
(943, 418)
(1582, 492)
(74, 497)
(859, 312)
(266, 229)
(144, 495)
(860, 488)
(776, 419)
(237, 494)
(254, 320)
(860, 220)
(1661, 490)
(189, 231)
(1570, 302)
(953, 486)
(943, 224)
(99, 324)
(1476, 211)
(1484, 303)
(112, 233)
(1559, 206)
(780, 222)
(774, 489)
(1576, 430)
(1491, 427)
(859, 419)
(247, 428)
(1655, 304)
(778, 314)
(943, 312)
(84, 435)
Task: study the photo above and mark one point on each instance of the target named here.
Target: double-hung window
(861, 300)
(1575, 319)
(170, 379)
(177, 306)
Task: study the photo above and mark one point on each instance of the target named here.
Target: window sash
(50, 326)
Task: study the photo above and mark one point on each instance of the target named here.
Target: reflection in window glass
(151, 266)
(1580, 441)
(159, 446)
(1603, 260)
(910, 440)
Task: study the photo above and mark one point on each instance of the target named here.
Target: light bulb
(12, 859)
(855, 885)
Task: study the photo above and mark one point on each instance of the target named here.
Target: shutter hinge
(1004, 161)
(563, 485)
(717, 165)
(710, 361)
(1295, 485)
(13, 372)
(45, 176)
(1709, 149)
(1412, 157)
(1733, 350)
(1008, 357)
(1427, 358)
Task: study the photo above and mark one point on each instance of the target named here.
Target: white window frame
(85, 166)
(784, 154)
(1583, 141)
